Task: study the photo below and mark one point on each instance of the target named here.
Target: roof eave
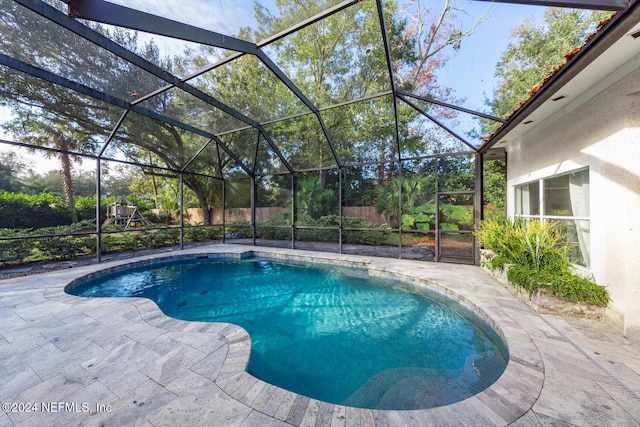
(618, 27)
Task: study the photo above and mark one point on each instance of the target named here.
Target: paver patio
(120, 361)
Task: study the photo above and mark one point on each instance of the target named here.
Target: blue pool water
(333, 334)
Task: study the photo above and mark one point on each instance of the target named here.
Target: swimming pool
(334, 334)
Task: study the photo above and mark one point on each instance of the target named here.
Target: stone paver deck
(67, 360)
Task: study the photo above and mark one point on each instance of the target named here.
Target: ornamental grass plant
(536, 254)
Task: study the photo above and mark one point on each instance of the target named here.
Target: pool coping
(505, 401)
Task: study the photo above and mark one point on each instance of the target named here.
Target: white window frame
(541, 205)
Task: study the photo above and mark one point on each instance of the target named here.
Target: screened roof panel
(456, 173)
(417, 137)
(424, 167)
(148, 141)
(455, 59)
(190, 60)
(207, 162)
(179, 57)
(230, 169)
(302, 142)
(332, 61)
(249, 87)
(466, 126)
(244, 19)
(58, 4)
(363, 131)
(191, 110)
(224, 16)
(420, 136)
(81, 123)
(35, 40)
(340, 58)
(267, 161)
(243, 144)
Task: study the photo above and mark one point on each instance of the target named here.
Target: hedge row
(280, 230)
(19, 210)
(32, 247)
(20, 246)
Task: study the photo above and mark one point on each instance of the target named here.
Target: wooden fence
(194, 216)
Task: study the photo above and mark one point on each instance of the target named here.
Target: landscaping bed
(544, 302)
(529, 257)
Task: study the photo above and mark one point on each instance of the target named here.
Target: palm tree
(388, 196)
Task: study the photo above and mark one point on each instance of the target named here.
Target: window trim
(542, 201)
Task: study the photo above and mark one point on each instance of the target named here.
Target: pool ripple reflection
(328, 333)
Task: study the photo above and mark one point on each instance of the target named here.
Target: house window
(565, 199)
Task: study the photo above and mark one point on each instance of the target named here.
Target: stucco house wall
(600, 130)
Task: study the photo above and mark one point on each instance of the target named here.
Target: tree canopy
(339, 63)
(535, 50)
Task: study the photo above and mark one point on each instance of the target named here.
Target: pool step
(419, 388)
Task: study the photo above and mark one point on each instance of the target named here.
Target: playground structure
(124, 213)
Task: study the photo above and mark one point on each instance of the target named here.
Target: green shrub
(117, 242)
(65, 247)
(14, 251)
(537, 256)
(373, 236)
(60, 242)
(526, 278)
(241, 228)
(577, 288)
(142, 239)
(20, 210)
(313, 199)
(163, 216)
(213, 233)
(201, 233)
(86, 207)
(270, 232)
(423, 217)
(529, 243)
(167, 236)
(316, 235)
(45, 244)
(279, 228)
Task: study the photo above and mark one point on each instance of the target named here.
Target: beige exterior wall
(601, 130)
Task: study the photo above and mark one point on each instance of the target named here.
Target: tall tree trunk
(154, 184)
(193, 184)
(206, 214)
(67, 185)
(382, 157)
